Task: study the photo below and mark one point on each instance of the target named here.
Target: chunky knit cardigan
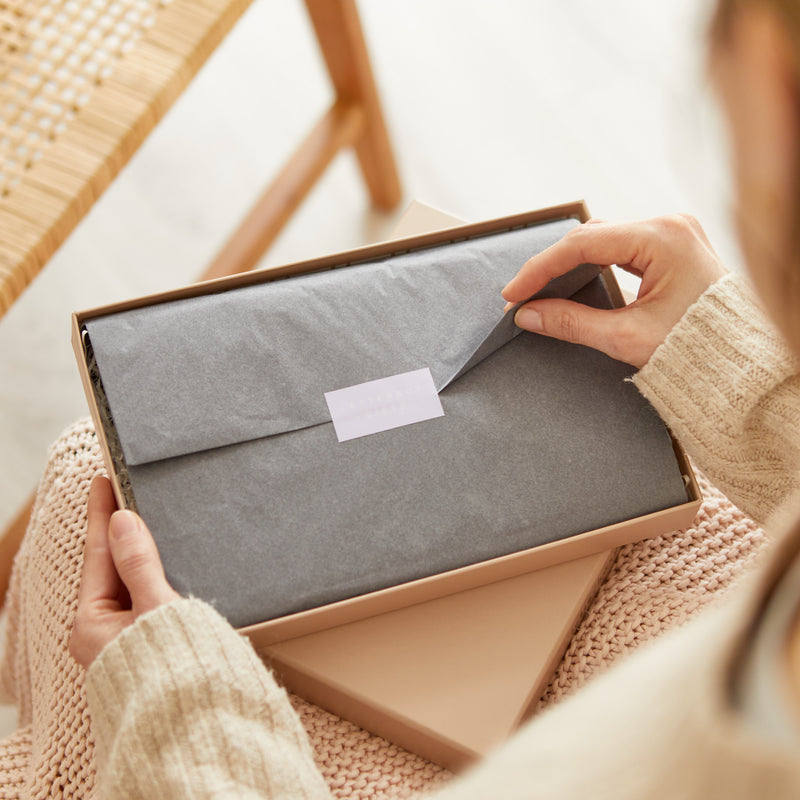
(180, 706)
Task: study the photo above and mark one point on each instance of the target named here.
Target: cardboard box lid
(451, 678)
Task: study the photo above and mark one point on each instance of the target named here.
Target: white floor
(494, 107)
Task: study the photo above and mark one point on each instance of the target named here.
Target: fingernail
(528, 319)
(123, 523)
(507, 306)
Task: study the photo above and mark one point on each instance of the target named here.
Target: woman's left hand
(122, 578)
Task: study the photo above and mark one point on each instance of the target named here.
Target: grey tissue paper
(218, 402)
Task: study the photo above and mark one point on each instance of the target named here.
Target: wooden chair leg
(9, 544)
(355, 119)
(340, 127)
(341, 41)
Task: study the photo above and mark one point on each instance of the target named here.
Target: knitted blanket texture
(653, 586)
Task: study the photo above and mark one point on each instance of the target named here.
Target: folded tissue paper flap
(229, 453)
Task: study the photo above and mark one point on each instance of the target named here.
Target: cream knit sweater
(182, 707)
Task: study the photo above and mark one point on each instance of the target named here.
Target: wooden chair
(83, 82)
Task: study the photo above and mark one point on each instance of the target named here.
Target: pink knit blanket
(652, 587)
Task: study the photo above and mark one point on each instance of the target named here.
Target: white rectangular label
(384, 404)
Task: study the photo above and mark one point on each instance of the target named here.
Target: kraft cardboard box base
(502, 571)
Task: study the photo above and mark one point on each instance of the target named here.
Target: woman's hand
(670, 254)
(122, 575)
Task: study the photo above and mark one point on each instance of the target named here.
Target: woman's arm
(729, 387)
(183, 708)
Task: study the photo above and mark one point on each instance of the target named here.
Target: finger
(99, 580)
(599, 243)
(603, 329)
(697, 228)
(138, 563)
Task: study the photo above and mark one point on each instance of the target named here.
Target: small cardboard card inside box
(210, 406)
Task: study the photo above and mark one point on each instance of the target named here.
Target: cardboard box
(440, 584)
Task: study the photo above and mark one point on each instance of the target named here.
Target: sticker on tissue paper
(384, 404)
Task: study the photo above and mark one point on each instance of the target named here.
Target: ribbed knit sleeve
(182, 707)
(728, 387)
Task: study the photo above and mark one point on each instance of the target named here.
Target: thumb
(137, 562)
(602, 329)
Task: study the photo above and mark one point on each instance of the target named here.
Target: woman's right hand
(122, 575)
(671, 255)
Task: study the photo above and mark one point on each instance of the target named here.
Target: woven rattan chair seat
(82, 83)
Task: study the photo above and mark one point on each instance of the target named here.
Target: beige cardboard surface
(450, 678)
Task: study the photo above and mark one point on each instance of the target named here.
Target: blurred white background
(494, 108)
